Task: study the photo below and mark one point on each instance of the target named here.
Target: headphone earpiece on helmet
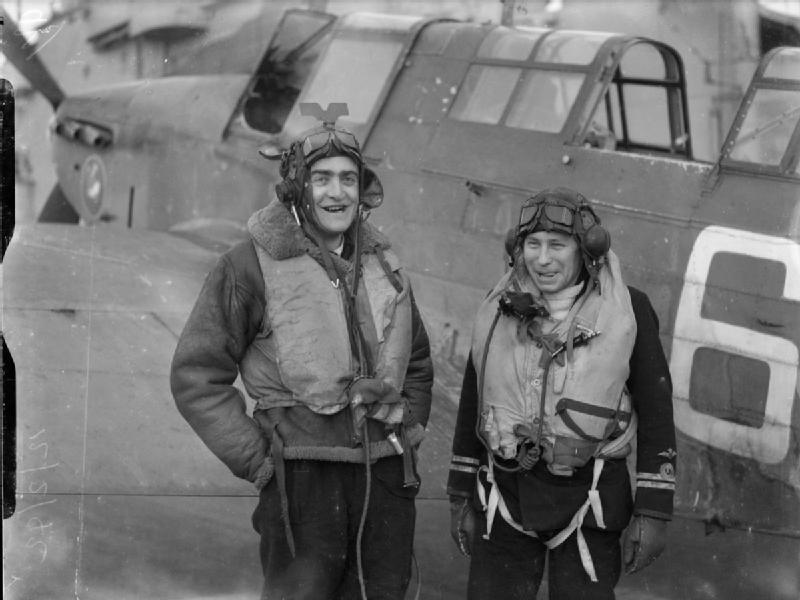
(594, 238)
(286, 191)
(596, 242)
(371, 193)
(292, 170)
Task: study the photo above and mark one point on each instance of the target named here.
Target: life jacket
(585, 401)
(305, 319)
(579, 403)
(298, 367)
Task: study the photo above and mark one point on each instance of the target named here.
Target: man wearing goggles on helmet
(317, 317)
(566, 370)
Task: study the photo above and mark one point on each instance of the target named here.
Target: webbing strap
(564, 405)
(495, 502)
(593, 502)
(280, 476)
(615, 446)
(387, 270)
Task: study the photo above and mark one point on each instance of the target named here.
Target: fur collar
(275, 230)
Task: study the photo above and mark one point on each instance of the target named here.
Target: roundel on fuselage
(93, 185)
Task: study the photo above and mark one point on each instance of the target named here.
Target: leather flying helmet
(565, 211)
(323, 141)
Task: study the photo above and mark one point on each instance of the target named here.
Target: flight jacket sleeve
(419, 374)
(650, 386)
(225, 319)
(467, 448)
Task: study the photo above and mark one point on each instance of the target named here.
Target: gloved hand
(463, 525)
(376, 399)
(643, 542)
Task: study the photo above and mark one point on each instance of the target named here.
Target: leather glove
(463, 524)
(643, 542)
(377, 400)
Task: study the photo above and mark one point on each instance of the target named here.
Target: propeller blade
(23, 56)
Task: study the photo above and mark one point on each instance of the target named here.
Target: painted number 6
(770, 442)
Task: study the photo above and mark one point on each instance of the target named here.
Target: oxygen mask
(523, 306)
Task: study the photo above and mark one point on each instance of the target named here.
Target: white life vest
(585, 396)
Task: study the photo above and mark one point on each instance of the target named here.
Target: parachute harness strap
(593, 502)
(495, 502)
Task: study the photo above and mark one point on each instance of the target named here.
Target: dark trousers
(510, 565)
(325, 507)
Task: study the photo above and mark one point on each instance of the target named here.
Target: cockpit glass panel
(647, 114)
(570, 47)
(294, 35)
(643, 61)
(485, 93)
(545, 100)
(784, 65)
(510, 44)
(767, 128)
(366, 64)
(284, 70)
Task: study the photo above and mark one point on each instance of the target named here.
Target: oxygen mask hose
(362, 521)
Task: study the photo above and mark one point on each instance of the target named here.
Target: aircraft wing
(116, 495)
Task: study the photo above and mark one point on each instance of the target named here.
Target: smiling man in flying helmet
(315, 314)
(566, 369)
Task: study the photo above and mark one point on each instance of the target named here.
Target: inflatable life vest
(566, 390)
(304, 327)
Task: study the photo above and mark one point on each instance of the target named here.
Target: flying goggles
(564, 211)
(321, 142)
(553, 214)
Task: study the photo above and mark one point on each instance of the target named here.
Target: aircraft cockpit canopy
(539, 98)
(364, 50)
(591, 88)
(582, 88)
(765, 137)
(284, 69)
